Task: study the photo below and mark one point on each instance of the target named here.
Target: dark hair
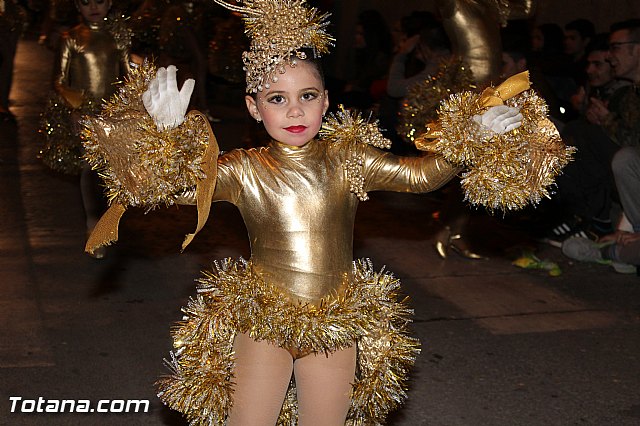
(599, 43)
(435, 37)
(584, 27)
(314, 59)
(631, 25)
(553, 37)
(375, 31)
(417, 20)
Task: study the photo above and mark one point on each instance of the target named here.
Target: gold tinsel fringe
(233, 299)
(140, 165)
(507, 171)
(62, 148)
(420, 107)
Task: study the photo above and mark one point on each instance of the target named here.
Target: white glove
(162, 100)
(500, 119)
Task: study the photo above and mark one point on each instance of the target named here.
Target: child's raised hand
(162, 100)
(500, 119)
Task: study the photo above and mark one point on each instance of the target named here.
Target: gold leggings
(262, 375)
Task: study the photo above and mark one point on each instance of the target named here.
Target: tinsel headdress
(278, 29)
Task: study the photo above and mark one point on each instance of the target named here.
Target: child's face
(292, 108)
(93, 10)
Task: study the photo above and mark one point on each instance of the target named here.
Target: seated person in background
(611, 120)
(620, 249)
(601, 82)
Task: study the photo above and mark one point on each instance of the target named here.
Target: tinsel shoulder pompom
(504, 171)
(349, 126)
(140, 165)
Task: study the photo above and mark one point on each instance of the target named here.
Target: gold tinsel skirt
(233, 299)
(59, 124)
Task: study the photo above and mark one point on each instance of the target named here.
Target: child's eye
(310, 96)
(276, 99)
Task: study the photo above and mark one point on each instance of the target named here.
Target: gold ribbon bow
(491, 96)
(509, 88)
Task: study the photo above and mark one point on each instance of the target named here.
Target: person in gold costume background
(92, 57)
(473, 27)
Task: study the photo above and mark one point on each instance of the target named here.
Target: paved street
(502, 346)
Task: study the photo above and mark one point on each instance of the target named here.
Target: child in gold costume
(92, 57)
(299, 333)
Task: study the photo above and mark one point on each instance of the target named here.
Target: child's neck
(95, 25)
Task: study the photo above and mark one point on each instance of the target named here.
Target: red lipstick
(295, 129)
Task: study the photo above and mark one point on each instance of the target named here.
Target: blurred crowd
(204, 40)
(588, 78)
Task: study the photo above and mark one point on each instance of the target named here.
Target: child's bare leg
(262, 376)
(324, 387)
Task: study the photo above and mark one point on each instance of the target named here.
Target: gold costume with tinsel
(93, 58)
(300, 289)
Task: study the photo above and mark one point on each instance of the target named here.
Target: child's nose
(295, 111)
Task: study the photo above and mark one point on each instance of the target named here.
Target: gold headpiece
(278, 29)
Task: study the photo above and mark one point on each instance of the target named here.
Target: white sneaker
(624, 268)
(586, 250)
